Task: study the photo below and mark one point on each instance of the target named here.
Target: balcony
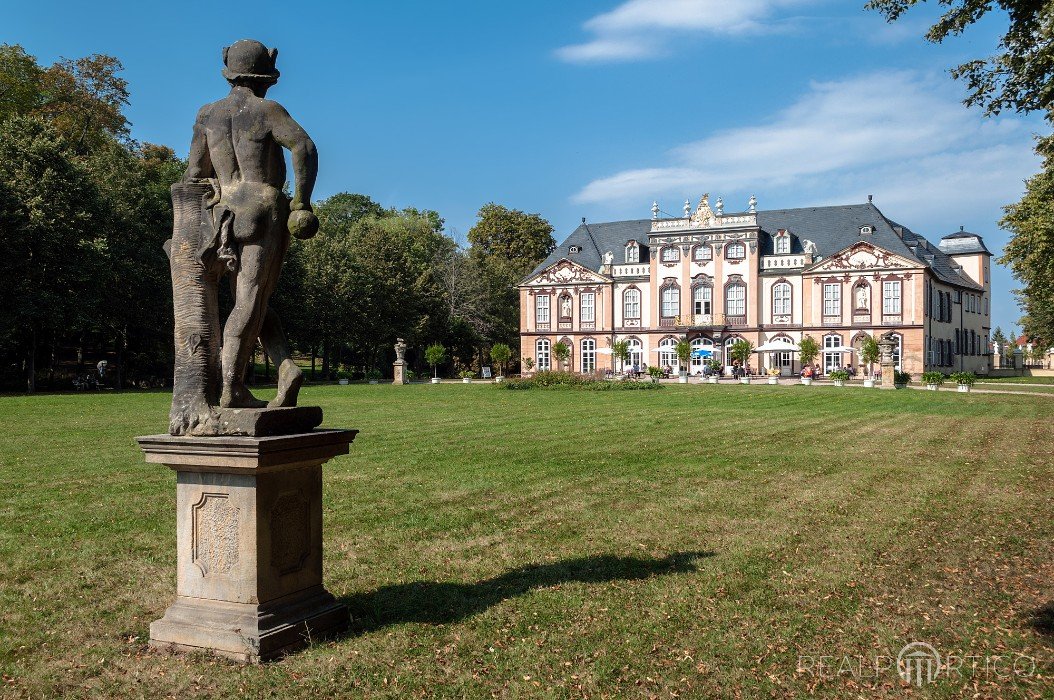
(631, 270)
(783, 262)
(703, 321)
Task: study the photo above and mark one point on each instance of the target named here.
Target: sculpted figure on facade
(232, 219)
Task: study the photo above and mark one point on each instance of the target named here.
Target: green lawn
(1018, 380)
(692, 542)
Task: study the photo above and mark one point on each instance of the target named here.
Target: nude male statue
(237, 149)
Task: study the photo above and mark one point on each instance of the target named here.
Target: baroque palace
(836, 273)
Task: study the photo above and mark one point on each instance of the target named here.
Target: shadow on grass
(438, 602)
(1042, 619)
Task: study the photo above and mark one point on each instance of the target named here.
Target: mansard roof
(963, 243)
(831, 229)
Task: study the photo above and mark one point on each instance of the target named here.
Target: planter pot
(964, 388)
(774, 380)
(373, 381)
(839, 382)
(712, 379)
(466, 380)
(682, 378)
(342, 382)
(869, 383)
(900, 386)
(806, 381)
(654, 380)
(435, 380)
(498, 379)
(931, 387)
(744, 380)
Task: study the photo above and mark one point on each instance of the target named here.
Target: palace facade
(836, 273)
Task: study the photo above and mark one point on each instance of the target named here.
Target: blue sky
(590, 108)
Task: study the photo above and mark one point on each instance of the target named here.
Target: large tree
(506, 245)
(1019, 77)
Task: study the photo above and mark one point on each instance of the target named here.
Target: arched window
(542, 356)
(898, 351)
(636, 352)
(702, 299)
(783, 243)
(781, 301)
(541, 308)
(729, 342)
(631, 303)
(671, 301)
(671, 253)
(702, 351)
(589, 356)
(668, 354)
(735, 299)
(832, 360)
(632, 252)
(702, 253)
(565, 307)
(735, 251)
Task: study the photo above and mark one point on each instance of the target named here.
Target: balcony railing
(631, 270)
(706, 321)
(832, 320)
(779, 262)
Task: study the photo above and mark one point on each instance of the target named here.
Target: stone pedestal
(889, 375)
(248, 543)
(399, 372)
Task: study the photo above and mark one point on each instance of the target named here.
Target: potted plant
(562, 353)
(620, 352)
(774, 375)
(655, 372)
(869, 354)
(342, 378)
(684, 356)
(839, 377)
(965, 380)
(716, 369)
(932, 380)
(742, 350)
(466, 376)
(900, 379)
(435, 355)
(808, 351)
(500, 353)
(373, 375)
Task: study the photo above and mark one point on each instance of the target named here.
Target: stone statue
(232, 218)
(862, 301)
(400, 350)
(809, 247)
(609, 258)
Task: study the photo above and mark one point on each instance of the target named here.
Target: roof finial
(870, 198)
(654, 210)
(961, 229)
(752, 205)
(719, 207)
(687, 209)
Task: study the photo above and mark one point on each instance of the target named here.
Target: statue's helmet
(249, 61)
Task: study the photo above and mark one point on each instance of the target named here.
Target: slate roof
(831, 229)
(963, 243)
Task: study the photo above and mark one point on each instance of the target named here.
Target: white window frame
(632, 253)
(781, 299)
(587, 307)
(736, 299)
(670, 253)
(543, 354)
(589, 356)
(832, 299)
(542, 309)
(670, 301)
(735, 246)
(668, 354)
(783, 244)
(891, 305)
(631, 304)
(832, 360)
(702, 253)
(703, 300)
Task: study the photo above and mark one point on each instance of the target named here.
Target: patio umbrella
(777, 346)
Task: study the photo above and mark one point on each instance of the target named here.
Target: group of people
(813, 371)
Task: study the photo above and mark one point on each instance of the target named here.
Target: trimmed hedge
(568, 380)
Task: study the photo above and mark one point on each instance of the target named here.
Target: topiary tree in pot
(500, 353)
(435, 355)
(684, 356)
(620, 351)
(562, 352)
(869, 354)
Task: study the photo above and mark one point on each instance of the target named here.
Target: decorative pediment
(565, 272)
(862, 256)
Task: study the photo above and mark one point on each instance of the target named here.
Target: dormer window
(783, 243)
(671, 253)
(574, 249)
(867, 230)
(632, 252)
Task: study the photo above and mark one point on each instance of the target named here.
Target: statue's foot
(290, 379)
(197, 419)
(237, 396)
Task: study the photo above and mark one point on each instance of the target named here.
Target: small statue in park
(233, 219)
(400, 350)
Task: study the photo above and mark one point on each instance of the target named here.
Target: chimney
(870, 198)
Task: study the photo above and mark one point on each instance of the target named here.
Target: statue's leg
(251, 290)
(290, 378)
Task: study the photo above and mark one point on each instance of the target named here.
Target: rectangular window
(891, 298)
(736, 300)
(631, 304)
(702, 301)
(671, 302)
(832, 300)
(781, 299)
(541, 309)
(587, 312)
(783, 245)
(958, 347)
(589, 356)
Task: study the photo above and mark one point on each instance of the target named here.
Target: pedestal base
(399, 372)
(248, 543)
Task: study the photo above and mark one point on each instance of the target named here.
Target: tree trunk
(325, 358)
(119, 378)
(314, 348)
(31, 366)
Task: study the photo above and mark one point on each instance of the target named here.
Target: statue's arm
(199, 163)
(292, 136)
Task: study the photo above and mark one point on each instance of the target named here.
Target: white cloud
(902, 136)
(639, 29)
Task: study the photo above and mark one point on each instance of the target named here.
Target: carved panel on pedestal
(290, 532)
(215, 534)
